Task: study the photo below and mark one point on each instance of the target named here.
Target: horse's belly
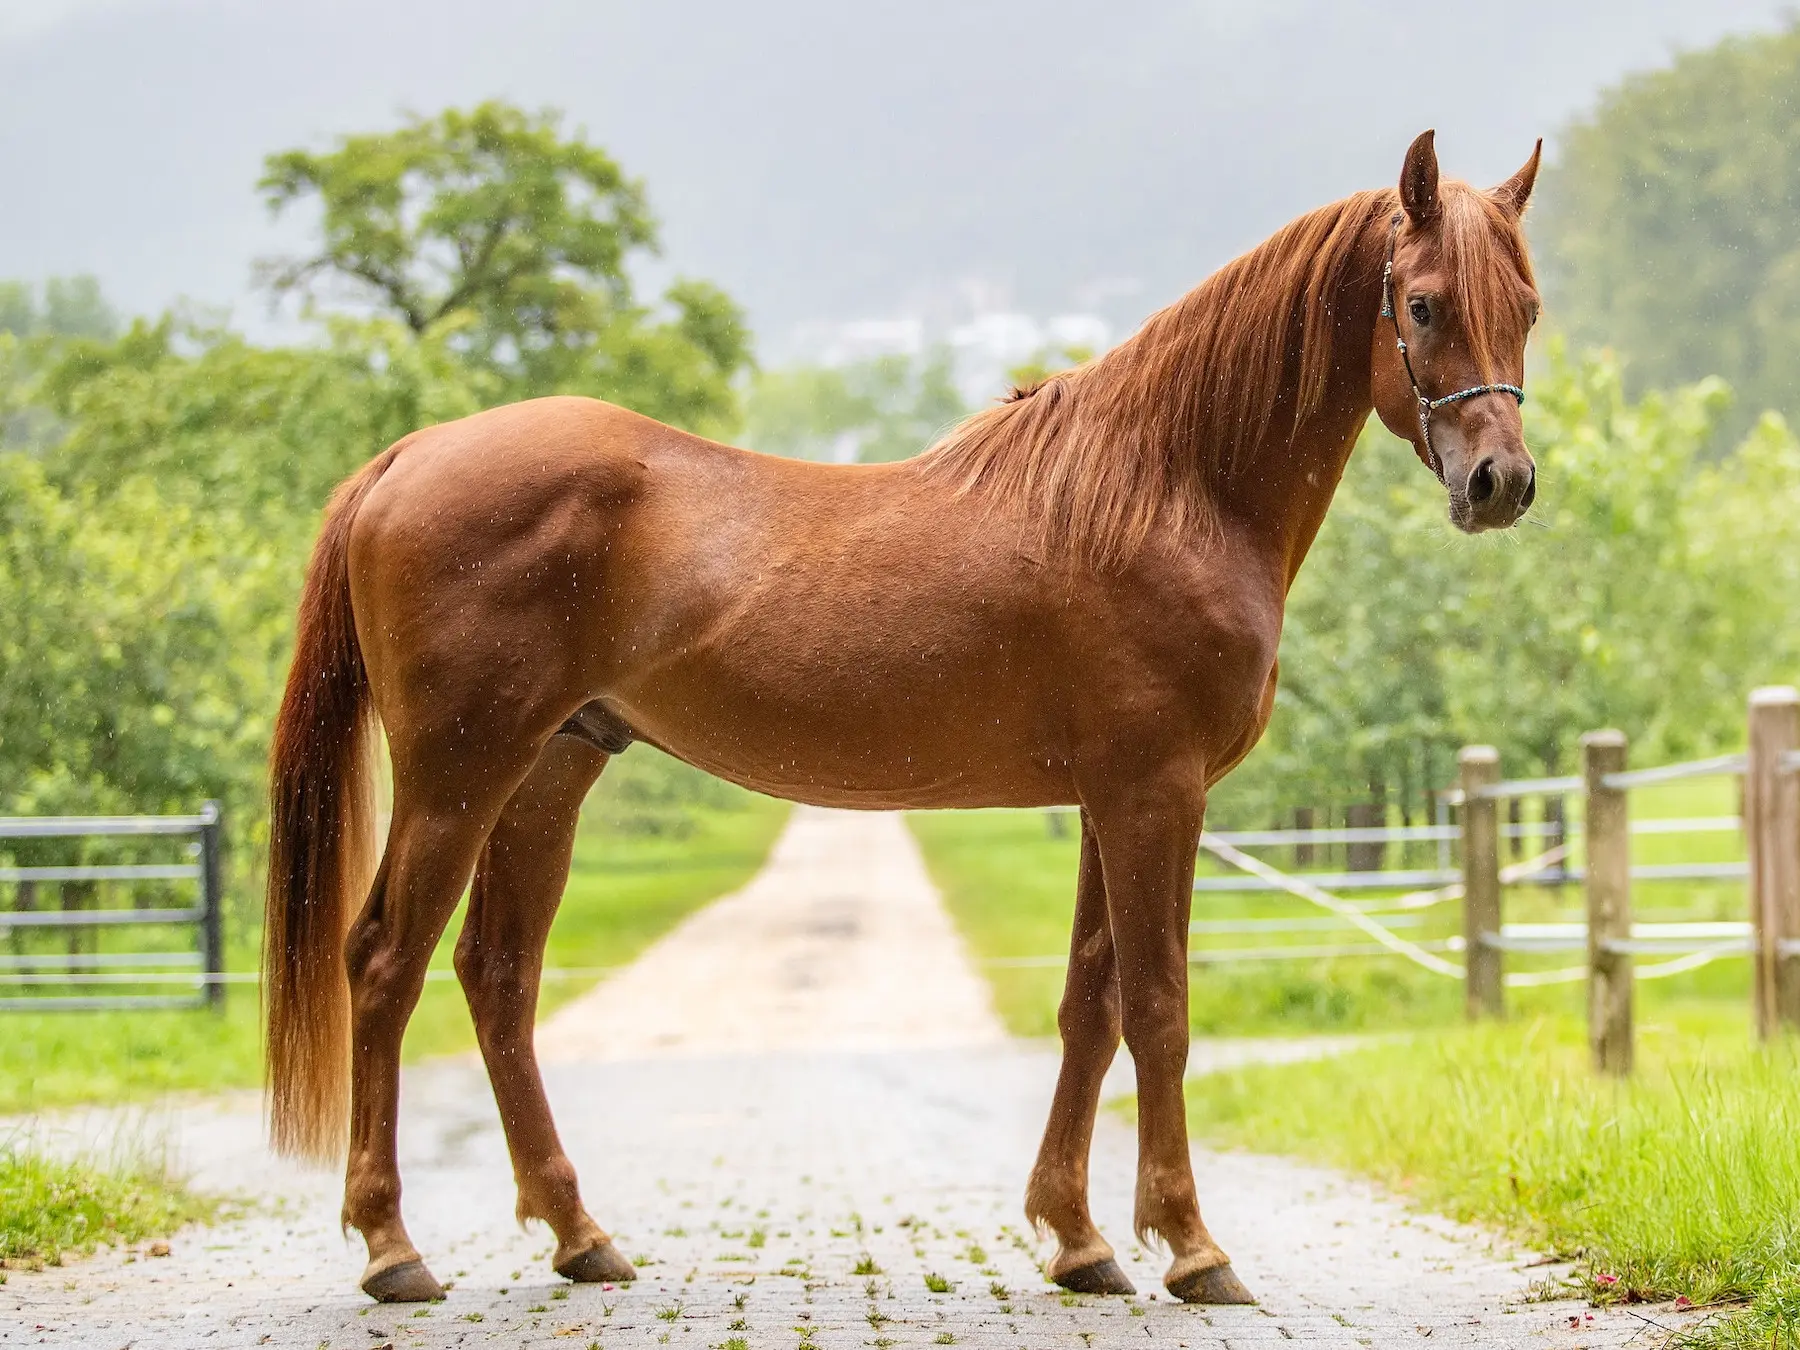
(898, 745)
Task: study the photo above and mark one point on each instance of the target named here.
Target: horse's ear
(1516, 191)
(1419, 180)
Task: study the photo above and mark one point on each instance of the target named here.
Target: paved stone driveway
(779, 1197)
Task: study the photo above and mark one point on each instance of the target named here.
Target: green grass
(49, 1207)
(1010, 886)
(625, 889)
(1010, 883)
(1683, 1182)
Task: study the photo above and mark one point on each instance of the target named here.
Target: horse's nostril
(1530, 491)
(1481, 483)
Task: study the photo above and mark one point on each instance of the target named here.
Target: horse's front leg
(1148, 830)
(1057, 1195)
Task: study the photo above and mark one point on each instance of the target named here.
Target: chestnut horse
(1075, 597)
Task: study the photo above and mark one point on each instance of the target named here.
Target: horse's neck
(1279, 500)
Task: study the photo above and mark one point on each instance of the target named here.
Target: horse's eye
(1420, 311)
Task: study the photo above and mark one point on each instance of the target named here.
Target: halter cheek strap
(1427, 406)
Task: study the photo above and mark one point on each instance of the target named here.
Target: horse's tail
(321, 847)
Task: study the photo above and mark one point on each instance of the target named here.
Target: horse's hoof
(598, 1265)
(1215, 1284)
(408, 1282)
(1103, 1277)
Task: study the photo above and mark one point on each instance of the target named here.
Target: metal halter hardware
(1427, 406)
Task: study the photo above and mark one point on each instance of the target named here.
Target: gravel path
(793, 1111)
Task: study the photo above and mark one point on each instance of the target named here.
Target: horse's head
(1449, 354)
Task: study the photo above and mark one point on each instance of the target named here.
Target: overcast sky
(820, 159)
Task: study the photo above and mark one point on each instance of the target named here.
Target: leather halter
(1427, 406)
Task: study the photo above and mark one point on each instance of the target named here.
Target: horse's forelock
(1488, 266)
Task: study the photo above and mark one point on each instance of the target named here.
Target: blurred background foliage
(161, 479)
(1655, 583)
(161, 482)
(1665, 228)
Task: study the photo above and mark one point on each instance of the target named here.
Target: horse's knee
(1090, 1018)
(1154, 1018)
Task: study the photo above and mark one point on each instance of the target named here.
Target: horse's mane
(1101, 455)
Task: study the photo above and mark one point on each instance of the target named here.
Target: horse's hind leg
(1057, 1195)
(499, 958)
(442, 814)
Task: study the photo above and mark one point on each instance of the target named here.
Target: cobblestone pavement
(780, 1198)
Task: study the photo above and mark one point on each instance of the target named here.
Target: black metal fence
(84, 934)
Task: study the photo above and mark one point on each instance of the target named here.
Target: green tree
(1666, 227)
(889, 408)
(491, 227)
(66, 307)
(138, 650)
(252, 434)
(160, 487)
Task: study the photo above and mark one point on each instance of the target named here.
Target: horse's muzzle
(1496, 492)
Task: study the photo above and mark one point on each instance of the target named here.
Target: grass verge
(636, 873)
(50, 1207)
(1682, 1183)
(1010, 885)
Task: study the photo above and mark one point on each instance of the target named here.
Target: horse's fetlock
(548, 1190)
(1056, 1200)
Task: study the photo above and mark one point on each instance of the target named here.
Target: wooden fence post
(1772, 830)
(1608, 902)
(1480, 769)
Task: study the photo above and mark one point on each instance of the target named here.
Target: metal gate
(82, 935)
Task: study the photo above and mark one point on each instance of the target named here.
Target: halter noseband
(1427, 406)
